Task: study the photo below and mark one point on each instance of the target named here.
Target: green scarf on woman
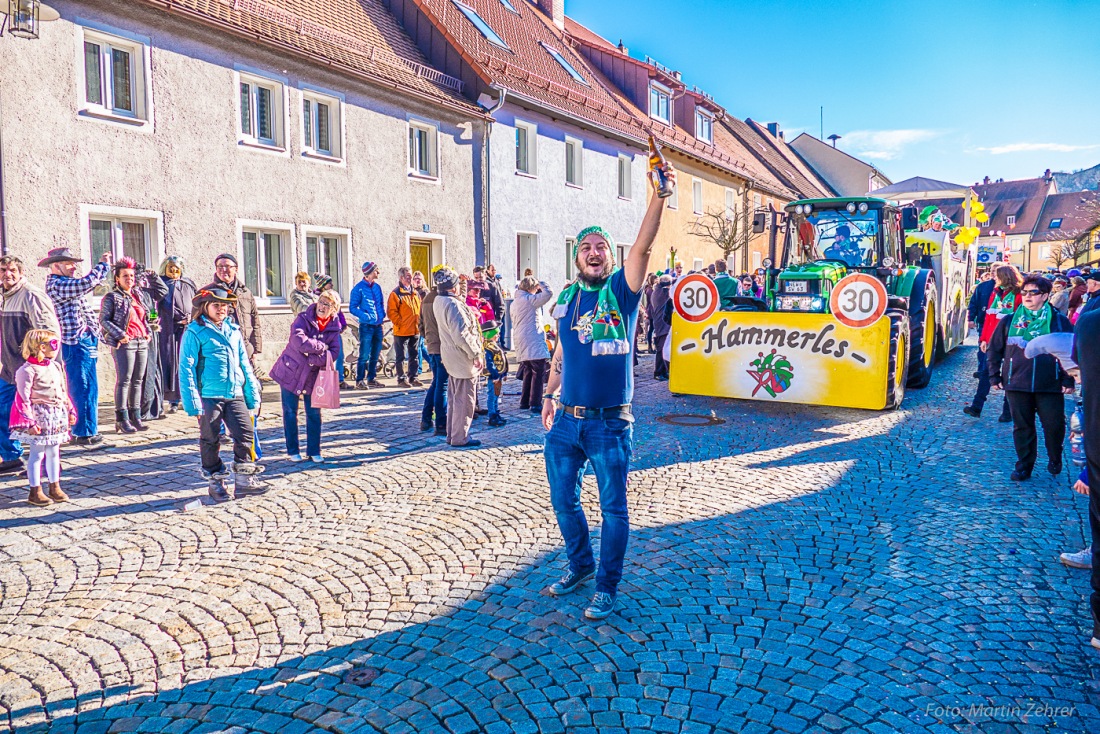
(608, 327)
(1027, 324)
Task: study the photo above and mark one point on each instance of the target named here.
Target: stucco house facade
(297, 142)
(563, 154)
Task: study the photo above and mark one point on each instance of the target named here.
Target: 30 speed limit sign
(695, 297)
(858, 300)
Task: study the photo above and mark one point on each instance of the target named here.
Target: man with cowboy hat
(217, 386)
(591, 421)
(79, 336)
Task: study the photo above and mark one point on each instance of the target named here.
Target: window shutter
(431, 139)
(412, 148)
(121, 80)
(307, 122)
(93, 80)
(246, 108)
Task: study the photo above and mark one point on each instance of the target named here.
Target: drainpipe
(485, 171)
(3, 209)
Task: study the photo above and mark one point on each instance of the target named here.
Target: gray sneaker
(1080, 559)
(601, 607)
(569, 582)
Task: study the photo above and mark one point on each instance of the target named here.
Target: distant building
(845, 174)
(1067, 233)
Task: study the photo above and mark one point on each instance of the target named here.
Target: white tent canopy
(918, 187)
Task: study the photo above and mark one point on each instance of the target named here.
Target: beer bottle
(658, 168)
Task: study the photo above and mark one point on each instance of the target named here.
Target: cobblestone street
(794, 569)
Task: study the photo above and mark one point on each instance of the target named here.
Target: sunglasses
(54, 344)
(1031, 292)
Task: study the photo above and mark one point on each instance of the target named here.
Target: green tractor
(828, 239)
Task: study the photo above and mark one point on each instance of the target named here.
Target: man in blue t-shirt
(592, 422)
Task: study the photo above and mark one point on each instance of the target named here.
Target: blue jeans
(340, 358)
(370, 346)
(491, 399)
(9, 449)
(80, 370)
(422, 357)
(608, 445)
(435, 400)
(290, 424)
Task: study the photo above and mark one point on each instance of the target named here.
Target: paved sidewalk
(795, 569)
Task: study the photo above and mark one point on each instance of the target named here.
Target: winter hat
(226, 256)
(322, 281)
(445, 277)
(369, 267)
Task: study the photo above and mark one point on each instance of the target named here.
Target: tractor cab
(827, 239)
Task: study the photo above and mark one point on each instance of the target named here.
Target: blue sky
(949, 90)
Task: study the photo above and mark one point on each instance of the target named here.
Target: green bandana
(606, 326)
(1027, 324)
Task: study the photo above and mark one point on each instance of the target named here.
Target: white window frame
(1044, 252)
(570, 261)
(1010, 220)
(439, 248)
(702, 115)
(343, 247)
(279, 99)
(432, 128)
(731, 204)
(154, 233)
(335, 102)
(625, 181)
(481, 25)
(141, 86)
(697, 264)
(757, 203)
(289, 248)
(664, 91)
(531, 135)
(674, 200)
(578, 162)
(697, 195)
(538, 245)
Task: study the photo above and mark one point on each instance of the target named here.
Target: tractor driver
(844, 248)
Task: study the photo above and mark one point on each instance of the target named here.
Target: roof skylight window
(481, 25)
(1055, 223)
(509, 5)
(565, 64)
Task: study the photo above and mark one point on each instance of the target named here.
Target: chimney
(1048, 176)
(677, 76)
(773, 128)
(623, 49)
(555, 10)
(986, 180)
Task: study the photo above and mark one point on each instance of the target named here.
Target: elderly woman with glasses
(1032, 386)
(314, 339)
(175, 314)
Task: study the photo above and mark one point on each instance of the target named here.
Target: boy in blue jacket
(217, 386)
(369, 307)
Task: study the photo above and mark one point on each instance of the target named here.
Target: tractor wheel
(923, 332)
(899, 359)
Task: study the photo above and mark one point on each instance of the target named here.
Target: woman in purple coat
(314, 337)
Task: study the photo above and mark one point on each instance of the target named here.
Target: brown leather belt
(617, 411)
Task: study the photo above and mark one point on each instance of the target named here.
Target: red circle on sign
(695, 297)
(858, 300)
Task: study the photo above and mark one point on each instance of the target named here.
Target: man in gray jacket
(435, 399)
(463, 354)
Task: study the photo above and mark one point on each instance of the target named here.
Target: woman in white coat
(530, 346)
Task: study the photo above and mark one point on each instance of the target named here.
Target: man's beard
(596, 282)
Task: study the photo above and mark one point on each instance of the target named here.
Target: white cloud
(1032, 147)
(883, 144)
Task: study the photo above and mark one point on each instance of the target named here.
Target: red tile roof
(726, 153)
(527, 69)
(776, 155)
(1022, 199)
(1078, 210)
(361, 36)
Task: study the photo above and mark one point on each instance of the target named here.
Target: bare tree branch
(724, 229)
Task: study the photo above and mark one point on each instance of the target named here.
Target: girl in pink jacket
(42, 413)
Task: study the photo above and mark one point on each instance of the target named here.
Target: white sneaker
(295, 457)
(1080, 559)
(317, 459)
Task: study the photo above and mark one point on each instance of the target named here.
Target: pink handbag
(326, 391)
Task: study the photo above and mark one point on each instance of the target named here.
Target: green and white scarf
(1002, 301)
(607, 325)
(1028, 324)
